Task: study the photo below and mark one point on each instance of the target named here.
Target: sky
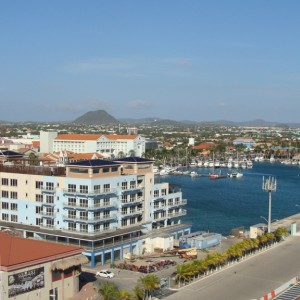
(171, 59)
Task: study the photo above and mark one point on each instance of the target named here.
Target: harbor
(223, 205)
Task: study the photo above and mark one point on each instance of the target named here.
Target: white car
(105, 273)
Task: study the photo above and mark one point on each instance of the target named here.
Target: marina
(222, 205)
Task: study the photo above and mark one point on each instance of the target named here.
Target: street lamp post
(269, 185)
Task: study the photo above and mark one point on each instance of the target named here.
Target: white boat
(229, 164)
(236, 175)
(193, 174)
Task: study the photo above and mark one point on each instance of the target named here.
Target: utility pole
(269, 185)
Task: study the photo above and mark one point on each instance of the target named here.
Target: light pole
(269, 185)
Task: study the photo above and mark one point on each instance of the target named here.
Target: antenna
(269, 185)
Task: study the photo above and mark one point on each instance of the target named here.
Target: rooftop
(16, 250)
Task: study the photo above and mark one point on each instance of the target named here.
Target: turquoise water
(223, 204)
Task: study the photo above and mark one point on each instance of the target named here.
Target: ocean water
(223, 204)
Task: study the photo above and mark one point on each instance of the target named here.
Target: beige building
(31, 269)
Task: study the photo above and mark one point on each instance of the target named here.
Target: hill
(98, 117)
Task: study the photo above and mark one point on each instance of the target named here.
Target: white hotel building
(108, 208)
(108, 145)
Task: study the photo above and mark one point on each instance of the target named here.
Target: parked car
(105, 273)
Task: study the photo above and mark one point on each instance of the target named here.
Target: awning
(66, 263)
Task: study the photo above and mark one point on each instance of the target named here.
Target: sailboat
(236, 174)
(214, 175)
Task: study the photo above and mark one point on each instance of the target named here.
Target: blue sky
(180, 60)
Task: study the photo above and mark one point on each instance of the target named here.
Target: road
(249, 279)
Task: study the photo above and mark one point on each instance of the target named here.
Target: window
(163, 192)
(106, 214)
(13, 206)
(72, 226)
(124, 210)
(97, 188)
(49, 186)
(84, 189)
(105, 170)
(106, 201)
(72, 188)
(53, 294)
(14, 218)
(132, 198)
(39, 184)
(72, 214)
(114, 169)
(38, 198)
(124, 222)
(4, 181)
(4, 194)
(13, 195)
(106, 187)
(72, 201)
(49, 199)
(38, 209)
(83, 228)
(106, 226)
(124, 185)
(5, 217)
(83, 215)
(14, 182)
(38, 221)
(156, 193)
(124, 198)
(5, 205)
(132, 221)
(132, 184)
(83, 202)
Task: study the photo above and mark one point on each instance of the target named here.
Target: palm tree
(280, 233)
(109, 291)
(149, 283)
(138, 292)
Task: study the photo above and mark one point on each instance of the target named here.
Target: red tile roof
(17, 250)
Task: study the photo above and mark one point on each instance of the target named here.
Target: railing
(89, 205)
(131, 213)
(177, 214)
(132, 201)
(159, 218)
(44, 203)
(87, 219)
(51, 190)
(90, 194)
(47, 214)
(178, 203)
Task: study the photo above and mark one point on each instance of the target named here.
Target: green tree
(109, 291)
(149, 283)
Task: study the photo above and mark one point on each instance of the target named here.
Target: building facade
(105, 207)
(31, 269)
(108, 145)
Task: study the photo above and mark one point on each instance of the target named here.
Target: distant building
(248, 143)
(31, 269)
(108, 145)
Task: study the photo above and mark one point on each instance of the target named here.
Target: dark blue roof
(94, 163)
(10, 153)
(134, 159)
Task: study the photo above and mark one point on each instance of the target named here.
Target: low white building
(109, 145)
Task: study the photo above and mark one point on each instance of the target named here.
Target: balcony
(177, 214)
(48, 190)
(45, 203)
(132, 201)
(89, 206)
(47, 226)
(159, 217)
(90, 220)
(45, 214)
(132, 212)
(132, 189)
(95, 193)
(177, 203)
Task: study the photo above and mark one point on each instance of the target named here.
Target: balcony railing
(177, 214)
(86, 193)
(90, 220)
(177, 203)
(45, 203)
(49, 189)
(159, 218)
(47, 214)
(89, 206)
(132, 212)
(132, 201)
